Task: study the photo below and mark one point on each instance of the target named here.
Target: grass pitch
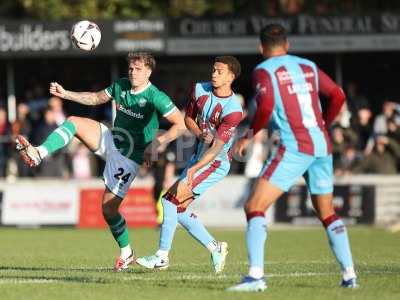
(76, 264)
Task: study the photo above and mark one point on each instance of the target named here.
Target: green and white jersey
(137, 119)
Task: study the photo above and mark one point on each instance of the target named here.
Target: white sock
(162, 253)
(212, 246)
(348, 273)
(42, 151)
(256, 272)
(126, 252)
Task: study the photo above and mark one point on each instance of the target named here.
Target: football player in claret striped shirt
(212, 115)
(287, 91)
(125, 147)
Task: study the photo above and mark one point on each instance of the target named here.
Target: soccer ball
(86, 35)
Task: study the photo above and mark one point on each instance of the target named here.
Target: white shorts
(119, 171)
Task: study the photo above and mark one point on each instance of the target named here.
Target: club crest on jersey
(123, 94)
(142, 102)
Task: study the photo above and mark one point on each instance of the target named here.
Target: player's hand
(206, 137)
(189, 177)
(57, 90)
(147, 156)
(239, 149)
(151, 152)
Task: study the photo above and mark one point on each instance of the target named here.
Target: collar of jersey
(222, 97)
(142, 90)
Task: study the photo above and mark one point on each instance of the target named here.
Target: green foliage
(111, 9)
(91, 9)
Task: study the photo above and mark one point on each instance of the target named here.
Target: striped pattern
(274, 163)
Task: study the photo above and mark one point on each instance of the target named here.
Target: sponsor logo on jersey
(286, 77)
(142, 102)
(300, 88)
(129, 112)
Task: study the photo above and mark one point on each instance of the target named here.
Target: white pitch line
(170, 277)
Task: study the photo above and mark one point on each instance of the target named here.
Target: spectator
(55, 165)
(36, 101)
(390, 113)
(321, 8)
(82, 162)
(22, 125)
(292, 7)
(5, 131)
(348, 161)
(341, 139)
(383, 158)
(56, 105)
(343, 118)
(355, 99)
(272, 8)
(361, 125)
(388, 117)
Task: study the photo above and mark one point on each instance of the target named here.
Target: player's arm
(192, 126)
(224, 133)
(334, 93)
(86, 98)
(190, 120)
(191, 114)
(177, 129)
(264, 98)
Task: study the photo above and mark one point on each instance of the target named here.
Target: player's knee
(109, 211)
(248, 207)
(171, 197)
(254, 204)
(73, 119)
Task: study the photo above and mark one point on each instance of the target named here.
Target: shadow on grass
(53, 269)
(61, 269)
(44, 279)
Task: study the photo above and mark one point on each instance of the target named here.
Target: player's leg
(87, 130)
(118, 228)
(202, 181)
(177, 194)
(119, 172)
(319, 179)
(278, 175)
(264, 194)
(218, 249)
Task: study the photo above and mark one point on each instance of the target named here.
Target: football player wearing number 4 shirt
(287, 90)
(212, 115)
(125, 147)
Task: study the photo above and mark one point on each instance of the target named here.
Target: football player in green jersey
(130, 143)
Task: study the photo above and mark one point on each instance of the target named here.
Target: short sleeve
(191, 109)
(116, 88)
(228, 125)
(110, 91)
(164, 104)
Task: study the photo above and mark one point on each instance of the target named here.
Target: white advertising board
(222, 204)
(37, 203)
